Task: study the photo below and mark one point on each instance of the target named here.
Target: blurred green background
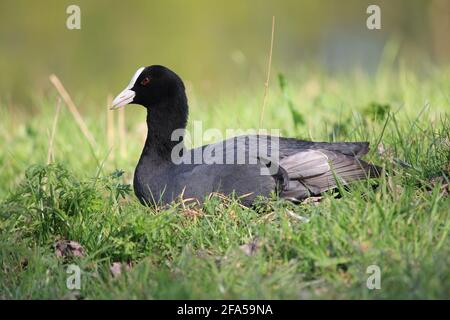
(215, 46)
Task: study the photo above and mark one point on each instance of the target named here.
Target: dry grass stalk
(266, 85)
(296, 216)
(109, 123)
(122, 133)
(73, 110)
(51, 155)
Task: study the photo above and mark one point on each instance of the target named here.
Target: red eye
(145, 81)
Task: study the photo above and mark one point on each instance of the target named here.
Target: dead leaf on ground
(117, 267)
(250, 248)
(68, 248)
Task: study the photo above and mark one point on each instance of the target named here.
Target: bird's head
(150, 87)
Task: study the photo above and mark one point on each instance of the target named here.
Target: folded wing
(312, 172)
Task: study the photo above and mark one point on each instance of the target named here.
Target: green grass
(177, 252)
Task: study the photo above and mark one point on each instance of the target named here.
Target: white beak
(123, 98)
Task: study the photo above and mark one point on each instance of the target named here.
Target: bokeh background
(332, 79)
(218, 47)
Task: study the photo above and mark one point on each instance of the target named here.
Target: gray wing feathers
(305, 164)
(309, 168)
(290, 146)
(312, 172)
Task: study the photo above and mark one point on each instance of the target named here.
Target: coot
(246, 166)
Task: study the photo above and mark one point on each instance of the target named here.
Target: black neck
(162, 120)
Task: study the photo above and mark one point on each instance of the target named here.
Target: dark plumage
(304, 168)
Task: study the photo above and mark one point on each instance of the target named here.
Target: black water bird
(291, 168)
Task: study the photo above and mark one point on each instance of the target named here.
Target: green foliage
(297, 117)
(53, 200)
(376, 111)
(221, 249)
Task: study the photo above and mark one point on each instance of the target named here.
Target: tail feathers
(345, 175)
